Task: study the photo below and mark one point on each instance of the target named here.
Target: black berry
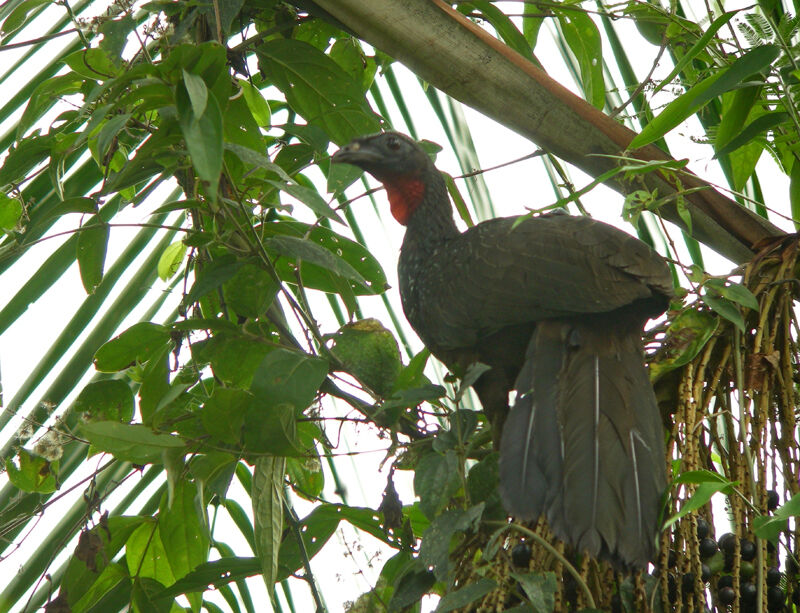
(748, 593)
(672, 588)
(708, 547)
(725, 581)
(705, 573)
(726, 596)
(748, 550)
(775, 598)
(773, 576)
(703, 529)
(773, 500)
(727, 543)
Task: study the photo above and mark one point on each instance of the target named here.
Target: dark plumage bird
(555, 305)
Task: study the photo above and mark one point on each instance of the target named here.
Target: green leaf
(256, 103)
(203, 135)
(318, 89)
(136, 344)
(755, 128)
(705, 490)
(307, 250)
(288, 377)
(696, 49)
(755, 60)
(146, 597)
(113, 577)
(131, 443)
(44, 96)
(540, 588)
(726, 309)
(217, 574)
(170, 260)
(771, 527)
(198, 92)
(467, 595)
(435, 481)
(341, 248)
(735, 292)
(10, 212)
(309, 197)
(435, 548)
(93, 63)
(91, 252)
(17, 18)
(687, 334)
(224, 412)
(184, 532)
(251, 290)
(146, 555)
(267, 496)
(34, 473)
(584, 40)
(109, 400)
(315, 530)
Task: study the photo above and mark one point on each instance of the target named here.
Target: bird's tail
(584, 444)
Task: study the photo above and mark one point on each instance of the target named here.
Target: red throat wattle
(405, 194)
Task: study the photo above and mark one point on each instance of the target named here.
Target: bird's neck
(426, 213)
(429, 227)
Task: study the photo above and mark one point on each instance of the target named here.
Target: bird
(555, 306)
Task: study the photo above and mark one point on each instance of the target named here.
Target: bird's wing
(506, 273)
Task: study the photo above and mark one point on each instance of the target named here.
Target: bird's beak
(357, 153)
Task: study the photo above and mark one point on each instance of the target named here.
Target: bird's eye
(393, 143)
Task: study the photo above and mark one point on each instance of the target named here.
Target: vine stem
(555, 553)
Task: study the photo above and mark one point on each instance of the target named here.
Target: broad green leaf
(251, 290)
(17, 18)
(468, 594)
(755, 60)
(217, 573)
(146, 597)
(697, 48)
(583, 38)
(687, 334)
(94, 64)
(129, 442)
(268, 502)
(111, 578)
(10, 212)
(224, 412)
(33, 474)
(755, 128)
(108, 400)
(198, 92)
(91, 253)
(318, 89)
(288, 377)
(771, 527)
(540, 588)
(258, 106)
(705, 490)
(146, 555)
(435, 548)
(735, 292)
(137, 343)
(315, 530)
(435, 481)
(307, 250)
(306, 476)
(170, 260)
(184, 532)
(203, 135)
(726, 309)
(45, 96)
(309, 197)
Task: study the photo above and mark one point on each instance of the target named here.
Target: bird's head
(398, 162)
